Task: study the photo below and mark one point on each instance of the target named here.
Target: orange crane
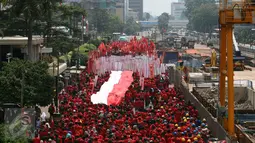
(231, 12)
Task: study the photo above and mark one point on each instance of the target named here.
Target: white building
(177, 9)
(17, 47)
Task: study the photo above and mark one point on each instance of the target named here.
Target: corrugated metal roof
(192, 51)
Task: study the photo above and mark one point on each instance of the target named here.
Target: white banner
(128, 63)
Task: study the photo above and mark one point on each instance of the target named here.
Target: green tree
(37, 83)
(30, 11)
(147, 16)
(114, 25)
(131, 27)
(244, 35)
(104, 22)
(163, 21)
(43, 18)
(204, 18)
(203, 12)
(99, 19)
(71, 15)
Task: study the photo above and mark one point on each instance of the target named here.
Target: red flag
(102, 49)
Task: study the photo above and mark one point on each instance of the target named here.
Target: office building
(122, 9)
(137, 5)
(109, 5)
(133, 14)
(177, 9)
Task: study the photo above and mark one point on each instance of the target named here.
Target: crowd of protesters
(156, 114)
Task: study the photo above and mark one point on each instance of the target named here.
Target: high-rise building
(122, 9)
(133, 14)
(177, 9)
(109, 5)
(137, 5)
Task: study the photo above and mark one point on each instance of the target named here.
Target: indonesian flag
(113, 91)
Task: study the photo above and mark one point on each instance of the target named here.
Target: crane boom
(235, 43)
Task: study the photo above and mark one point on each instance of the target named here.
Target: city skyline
(155, 8)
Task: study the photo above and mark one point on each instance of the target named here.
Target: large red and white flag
(113, 91)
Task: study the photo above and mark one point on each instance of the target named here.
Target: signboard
(20, 122)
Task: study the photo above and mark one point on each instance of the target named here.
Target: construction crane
(231, 12)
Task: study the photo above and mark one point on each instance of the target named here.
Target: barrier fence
(209, 112)
(217, 130)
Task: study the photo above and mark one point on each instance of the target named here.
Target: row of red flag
(134, 47)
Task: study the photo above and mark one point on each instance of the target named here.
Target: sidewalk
(45, 109)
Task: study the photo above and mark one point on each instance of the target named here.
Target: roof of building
(192, 51)
(19, 40)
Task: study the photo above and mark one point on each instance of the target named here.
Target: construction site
(200, 84)
(222, 90)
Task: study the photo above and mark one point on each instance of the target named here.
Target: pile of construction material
(211, 95)
(196, 77)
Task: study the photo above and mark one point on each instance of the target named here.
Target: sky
(156, 7)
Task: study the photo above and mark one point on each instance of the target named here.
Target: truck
(170, 56)
(188, 42)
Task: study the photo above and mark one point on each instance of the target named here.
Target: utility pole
(22, 89)
(82, 34)
(57, 109)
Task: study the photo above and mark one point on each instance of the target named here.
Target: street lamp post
(67, 77)
(57, 79)
(22, 90)
(77, 74)
(8, 56)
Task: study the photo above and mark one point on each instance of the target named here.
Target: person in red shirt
(36, 139)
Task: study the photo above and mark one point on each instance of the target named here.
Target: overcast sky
(156, 7)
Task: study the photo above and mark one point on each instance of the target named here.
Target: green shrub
(95, 42)
(209, 44)
(83, 59)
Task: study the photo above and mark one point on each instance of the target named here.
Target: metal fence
(251, 96)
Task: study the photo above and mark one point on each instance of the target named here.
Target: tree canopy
(29, 12)
(147, 16)
(202, 15)
(43, 18)
(37, 83)
(131, 27)
(104, 22)
(244, 35)
(163, 21)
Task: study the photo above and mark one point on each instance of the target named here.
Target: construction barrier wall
(217, 130)
(251, 96)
